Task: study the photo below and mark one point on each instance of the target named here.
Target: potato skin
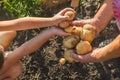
(77, 30)
(89, 27)
(71, 41)
(69, 29)
(74, 30)
(62, 61)
(70, 14)
(88, 33)
(67, 55)
(64, 24)
(83, 47)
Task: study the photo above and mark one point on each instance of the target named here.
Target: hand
(59, 17)
(95, 56)
(58, 31)
(93, 22)
(82, 22)
(13, 72)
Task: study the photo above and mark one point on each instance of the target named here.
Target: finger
(65, 33)
(81, 58)
(64, 18)
(78, 23)
(75, 56)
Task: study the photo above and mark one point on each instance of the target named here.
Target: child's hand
(59, 17)
(59, 32)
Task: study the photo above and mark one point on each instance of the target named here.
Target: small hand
(59, 31)
(59, 17)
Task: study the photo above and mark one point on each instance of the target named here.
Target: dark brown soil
(43, 64)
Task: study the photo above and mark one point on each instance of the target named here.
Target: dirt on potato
(43, 64)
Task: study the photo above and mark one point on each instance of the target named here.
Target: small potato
(64, 24)
(70, 14)
(71, 41)
(89, 27)
(88, 33)
(83, 47)
(74, 30)
(77, 30)
(69, 29)
(62, 61)
(67, 55)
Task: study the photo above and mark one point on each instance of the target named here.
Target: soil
(43, 64)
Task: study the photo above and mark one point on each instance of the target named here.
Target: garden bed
(43, 64)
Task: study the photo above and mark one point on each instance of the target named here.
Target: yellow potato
(83, 47)
(64, 24)
(69, 29)
(62, 61)
(77, 30)
(74, 30)
(71, 41)
(88, 33)
(67, 55)
(70, 14)
(89, 27)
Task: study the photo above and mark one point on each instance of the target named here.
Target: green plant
(22, 8)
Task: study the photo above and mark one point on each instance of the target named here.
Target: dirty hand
(97, 55)
(59, 17)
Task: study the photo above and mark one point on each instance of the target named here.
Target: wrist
(96, 23)
(99, 54)
(52, 31)
(52, 20)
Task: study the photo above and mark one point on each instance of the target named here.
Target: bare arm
(25, 23)
(30, 46)
(104, 15)
(110, 51)
(33, 22)
(101, 18)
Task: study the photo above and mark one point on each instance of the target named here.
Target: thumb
(76, 57)
(64, 18)
(78, 23)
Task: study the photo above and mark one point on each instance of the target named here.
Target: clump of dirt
(43, 64)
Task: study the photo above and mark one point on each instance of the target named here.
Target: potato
(74, 30)
(70, 14)
(67, 55)
(77, 30)
(69, 29)
(88, 33)
(64, 24)
(89, 27)
(83, 47)
(71, 41)
(62, 61)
